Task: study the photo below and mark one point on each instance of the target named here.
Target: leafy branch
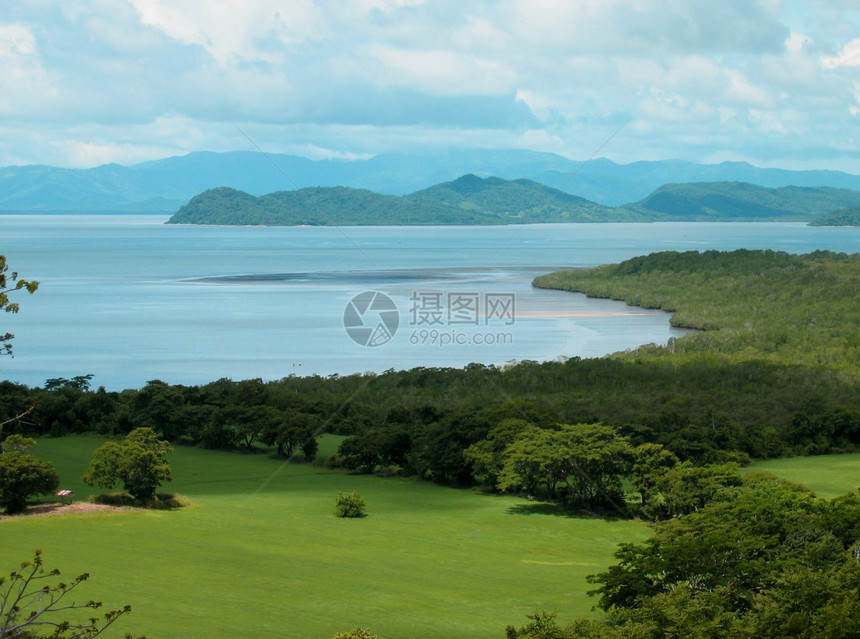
(8, 284)
(28, 603)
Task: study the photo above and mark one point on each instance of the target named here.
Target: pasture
(828, 475)
(260, 554)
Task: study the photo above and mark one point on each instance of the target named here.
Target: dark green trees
(579, 464)
(139, 463)
(21, 477)
(769, 560)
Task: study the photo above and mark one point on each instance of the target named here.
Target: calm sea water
(129, 299)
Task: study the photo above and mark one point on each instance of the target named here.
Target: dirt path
(53, 510)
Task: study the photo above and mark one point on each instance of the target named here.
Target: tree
(651, 461)
(488, 455)
(8, 284)
(686, 488)
(23, 476)
(587, 460)
(771, 562)
(375, 447)
(287, 431)
(542, 626)
(139, 462)
(17, 442)
(30, 603)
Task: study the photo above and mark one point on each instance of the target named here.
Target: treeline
(774, 374)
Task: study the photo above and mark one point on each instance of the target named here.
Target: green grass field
(828, 475)
(260, 553)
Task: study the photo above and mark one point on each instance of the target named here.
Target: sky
(772, 82)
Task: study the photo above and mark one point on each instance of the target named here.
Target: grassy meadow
(260, 553)
(828, 475)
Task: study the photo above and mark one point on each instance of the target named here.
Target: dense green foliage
(765, 559)
(843, 217)
(23, 476)
(473, 200)
(580, 464)
(739, 201)
(763, 306)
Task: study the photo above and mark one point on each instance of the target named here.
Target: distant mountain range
(474, 200)
(165, 185)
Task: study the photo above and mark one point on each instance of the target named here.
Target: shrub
(349, 505)
(358, 633)
(161, 501)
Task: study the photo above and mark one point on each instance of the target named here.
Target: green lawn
(828, 475)
(260, 554)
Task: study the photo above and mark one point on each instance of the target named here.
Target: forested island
(474, 200)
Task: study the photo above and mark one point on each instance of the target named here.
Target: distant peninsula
(842, 217)
(472, 200)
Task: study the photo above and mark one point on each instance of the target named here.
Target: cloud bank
(776, 83)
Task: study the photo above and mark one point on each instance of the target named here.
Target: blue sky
(771, 82)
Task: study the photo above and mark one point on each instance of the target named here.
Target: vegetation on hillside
(518, 201)
(740, 201)
(473, 200)
(842, 217)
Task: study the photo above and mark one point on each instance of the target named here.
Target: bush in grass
(349, 505)
(358, 633)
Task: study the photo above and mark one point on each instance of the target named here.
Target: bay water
(128, 298)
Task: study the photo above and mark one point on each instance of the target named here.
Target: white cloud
(444, 72)
(848, 57)
(233, 31)
(24, 83)
(16, 42)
